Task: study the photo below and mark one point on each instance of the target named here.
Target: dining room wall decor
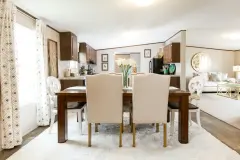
(104, 57)
(104, 66)
(147, 53)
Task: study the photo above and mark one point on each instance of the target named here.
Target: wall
(237, 58)
(143, 61)
(221, 61)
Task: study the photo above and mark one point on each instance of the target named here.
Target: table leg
(183, 120)
(62, 120)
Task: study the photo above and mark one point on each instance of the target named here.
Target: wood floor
(226, 133)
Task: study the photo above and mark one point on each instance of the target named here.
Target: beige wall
(221, 61)
(139, 49)
(237, 58)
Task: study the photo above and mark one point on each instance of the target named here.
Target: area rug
(225, 109)
(202, 145)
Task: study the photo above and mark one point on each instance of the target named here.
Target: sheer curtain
(26, 52)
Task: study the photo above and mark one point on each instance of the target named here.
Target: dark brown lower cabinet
(175, 82)
(71, 83)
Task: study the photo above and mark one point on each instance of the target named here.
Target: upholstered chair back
(53, 86)
(104, 98)
(195, 85)
(150, 98)
(131, 78)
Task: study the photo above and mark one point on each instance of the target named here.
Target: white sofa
(212, 79)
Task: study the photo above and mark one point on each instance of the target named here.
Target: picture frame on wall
(147, 53)
(104, 57)
(104, 66)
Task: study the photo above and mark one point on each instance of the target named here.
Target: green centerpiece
(125, 65)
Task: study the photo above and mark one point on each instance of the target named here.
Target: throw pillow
(224, 76)
(219, 77)
(213, 77)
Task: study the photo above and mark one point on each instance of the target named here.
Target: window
(26, 52)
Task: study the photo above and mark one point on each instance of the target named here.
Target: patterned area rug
(202, 146)
(225, 109)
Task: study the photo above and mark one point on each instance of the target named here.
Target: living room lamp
(237, 70)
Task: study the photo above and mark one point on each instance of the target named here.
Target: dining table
(78, 94)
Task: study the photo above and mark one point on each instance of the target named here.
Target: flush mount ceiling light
(142, 3)
(232, 36)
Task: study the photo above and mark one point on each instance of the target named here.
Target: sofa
(212, 79)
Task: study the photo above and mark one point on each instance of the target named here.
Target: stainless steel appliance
(156, 65)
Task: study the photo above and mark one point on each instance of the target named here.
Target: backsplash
(63, 65)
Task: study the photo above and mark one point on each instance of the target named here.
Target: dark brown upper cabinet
(91, 53)
(171, 53)
(68, 46)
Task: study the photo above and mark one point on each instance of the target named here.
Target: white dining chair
(54, 86)
(104, 101)
(195, 87)
(150, 101)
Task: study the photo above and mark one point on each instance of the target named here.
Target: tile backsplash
(63, 65)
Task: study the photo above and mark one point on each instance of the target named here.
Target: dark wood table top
(81, 92)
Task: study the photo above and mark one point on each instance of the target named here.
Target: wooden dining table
(79, 95)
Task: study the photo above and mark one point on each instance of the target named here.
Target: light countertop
(73, 78)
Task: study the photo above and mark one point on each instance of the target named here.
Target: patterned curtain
(10, 127)
(43, 110)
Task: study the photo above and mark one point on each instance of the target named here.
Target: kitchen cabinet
(68, 46)
(175, 81)
(171, 53)
(91, 53)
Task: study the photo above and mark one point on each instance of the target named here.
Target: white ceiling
(112, 23)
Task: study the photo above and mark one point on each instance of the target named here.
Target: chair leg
(80, 120)
(77, 117)
(165, 135)
(190, 118)
(198, 118)
(52, 122)
(120, 135)
(85, 113)
(134, 135)
(89, 134)
(96, 127)
(172, 122)
(157, 127)
(131, 121)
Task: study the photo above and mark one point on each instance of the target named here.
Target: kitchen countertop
(73, 78)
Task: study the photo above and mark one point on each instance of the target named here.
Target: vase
(125, 80)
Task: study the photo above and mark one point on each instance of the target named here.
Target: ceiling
(113, 23)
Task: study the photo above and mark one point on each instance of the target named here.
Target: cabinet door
(95, 56)
(170, 54)
(74, 48)
(175, 82)
(164, 54)
(87, 53)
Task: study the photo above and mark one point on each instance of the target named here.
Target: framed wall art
(104, 57)
(147, 53)
(104, 66)
(52, 58)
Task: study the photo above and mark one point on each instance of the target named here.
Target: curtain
(43, 110)
(10, 127)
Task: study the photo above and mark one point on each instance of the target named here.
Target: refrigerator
(156, 65)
